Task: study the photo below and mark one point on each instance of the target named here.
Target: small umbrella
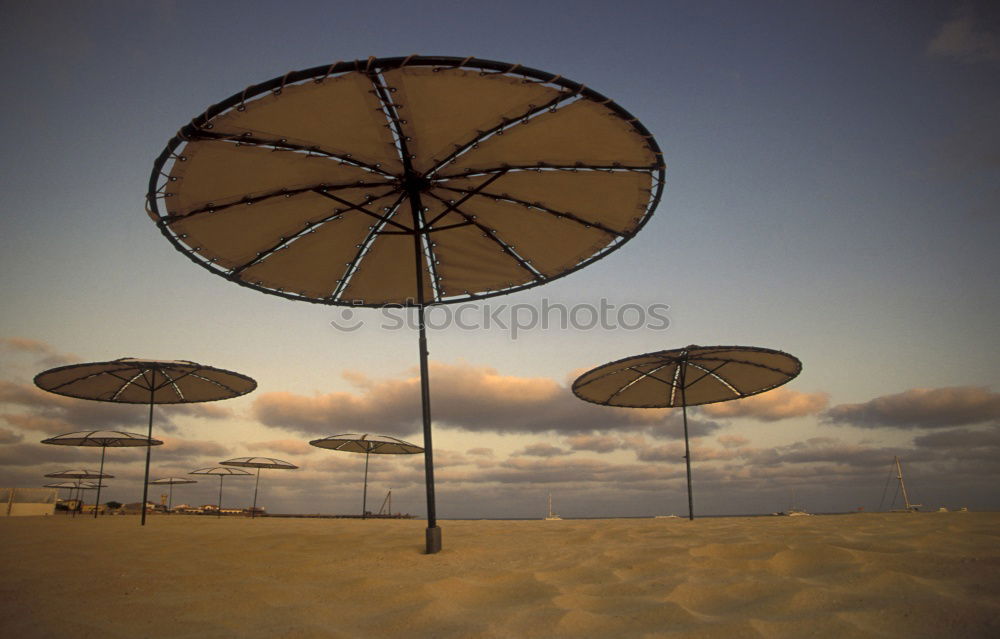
(145, 381)
(79, 474)
(104, 439)
(407, 181)
(685, 377)
(367, 444)
(222, 473)
(171, 481)
(258, 463)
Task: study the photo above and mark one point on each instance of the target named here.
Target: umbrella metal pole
(687, 448)
(253, 510)
(170, 499)
(149, 435)
(97, 502)
(219, 510)
(364, 493)
(433, 533)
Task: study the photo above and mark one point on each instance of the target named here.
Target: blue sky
(832, 173)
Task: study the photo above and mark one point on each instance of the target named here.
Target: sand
(866, 575)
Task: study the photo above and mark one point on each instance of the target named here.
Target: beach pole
(149, 435)
(219, 511)
(687, 447)
(253, 510)
(432, 535)
(97, 502)
(364, 493)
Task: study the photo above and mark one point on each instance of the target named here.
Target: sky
(832, 189)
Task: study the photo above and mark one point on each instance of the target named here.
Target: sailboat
(909, 508)
(552, 516)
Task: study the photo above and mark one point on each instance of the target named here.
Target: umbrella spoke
(712, 374)
(505, 124)
(384, 219)
(366, 245)
(245, 139)
(281, 193)
(140, 375)
(571, 168)
(449, 207)
(491, 234)
(535, 205)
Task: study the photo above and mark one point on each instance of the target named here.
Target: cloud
(31, 454)
(774, 405)
(288, 446)
(542, 450)
(595, 443)
(480, 452)
(44, 352)
(190, 450)
(967, 38)
(922, 408)
(9, 436)
(55, 414)
(465, 397)
(732, 441)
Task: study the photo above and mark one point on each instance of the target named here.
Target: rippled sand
(871, 575)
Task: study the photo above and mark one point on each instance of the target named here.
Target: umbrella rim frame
(318, 74)
(238, 464)
(154, 364)
(367, 452)
(146, 441)
(230, 474)
(759, 349)
(173, 483)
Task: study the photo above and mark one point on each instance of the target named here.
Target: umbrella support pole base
(433, 540)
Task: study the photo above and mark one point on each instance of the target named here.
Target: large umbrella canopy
(145, 381)
(367, 444)
(685, 377)
(222, 472)
(413, 181)
(258, 463)
(171, 482)
(104, 439)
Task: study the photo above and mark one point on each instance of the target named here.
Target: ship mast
(902, 486)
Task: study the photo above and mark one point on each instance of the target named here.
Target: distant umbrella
(258, 463)
(685, 377)
(74, 486)
(222, 472)
(79, 474)
(171, 481)
(104, 439)
(367, 444)
(145, 381)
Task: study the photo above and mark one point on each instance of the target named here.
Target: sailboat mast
(902, 486)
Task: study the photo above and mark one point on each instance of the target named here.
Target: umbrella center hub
(414, 183)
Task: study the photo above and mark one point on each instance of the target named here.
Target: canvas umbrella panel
(684, 377)
(145, 381)
(407, 181)
(104, 439)
(367, 444)
(171, 482)
(258, 463)
(221, 472)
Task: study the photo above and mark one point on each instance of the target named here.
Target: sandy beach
(868, 575)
